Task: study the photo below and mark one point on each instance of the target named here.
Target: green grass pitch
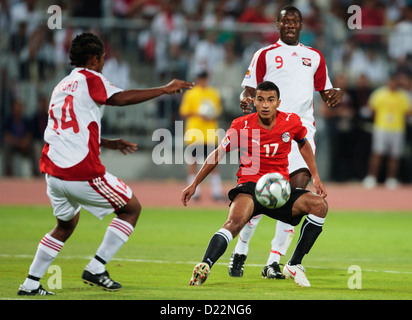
(157, 261)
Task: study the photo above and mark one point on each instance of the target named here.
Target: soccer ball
(272, 190)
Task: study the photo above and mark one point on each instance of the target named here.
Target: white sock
(316, 220)
(216, 184)
(226, 234)
(281, 241)
(116, 236)
(47, 251)
(242, 245)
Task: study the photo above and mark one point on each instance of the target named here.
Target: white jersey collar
(280, 42)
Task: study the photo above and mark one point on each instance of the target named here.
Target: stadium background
(147, 47)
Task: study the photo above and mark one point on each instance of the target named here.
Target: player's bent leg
(64, 229)
(239, 213)
(300, 178)
(239, 254)
(117, 234)
(281, 241)
(279, 246)
(47, 250)
(316, 208)
(242, 245)
(284, 232)
(130, 212)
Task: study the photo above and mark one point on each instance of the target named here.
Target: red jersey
(262, 151)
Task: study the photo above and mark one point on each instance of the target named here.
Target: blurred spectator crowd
(149, 42)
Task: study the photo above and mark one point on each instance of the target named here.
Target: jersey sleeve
(231, 140)
(301, 130)
(110, 88)
(100, 89)
(250, 79)
(321, 79)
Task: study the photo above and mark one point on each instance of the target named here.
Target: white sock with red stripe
(116, 236)
(242, 245)
(47, 250)
(281, 242)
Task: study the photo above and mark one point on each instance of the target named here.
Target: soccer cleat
(236, 263)
(200, 274)
(272, 271)
(101, 280)
(40, 291)
(296, 272)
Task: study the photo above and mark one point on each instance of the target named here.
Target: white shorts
(386, 142)
(100, 196)
(296, 161)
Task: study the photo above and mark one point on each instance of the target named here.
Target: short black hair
(289, 8)
(84, 47)
(268, 86)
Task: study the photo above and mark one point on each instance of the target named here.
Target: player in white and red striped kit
(297, 70)
(75, 176)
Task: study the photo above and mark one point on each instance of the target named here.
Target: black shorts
(283, 213)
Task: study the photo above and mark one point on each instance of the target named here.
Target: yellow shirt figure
(201, 108)
(391, 108)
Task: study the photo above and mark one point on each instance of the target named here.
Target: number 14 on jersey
(65, 123)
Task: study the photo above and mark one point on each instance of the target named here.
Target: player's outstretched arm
(307, 154)
(135, 96)
(118, 144)
(211, 162)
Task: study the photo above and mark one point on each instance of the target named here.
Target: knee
(135, 209)
(131, 211)
(319, 207)
(64, 229)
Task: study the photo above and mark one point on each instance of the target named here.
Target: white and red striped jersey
(72, 135)
(296, 70)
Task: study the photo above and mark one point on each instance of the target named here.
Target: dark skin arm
(211, 162)
(307, 155)
(135, 96)
(118, 144)
(332, 98)
(246, 98)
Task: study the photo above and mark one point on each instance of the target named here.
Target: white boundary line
(26, 256)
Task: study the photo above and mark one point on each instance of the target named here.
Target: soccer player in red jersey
(76, 178)
(264, 141)
(297, 70)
